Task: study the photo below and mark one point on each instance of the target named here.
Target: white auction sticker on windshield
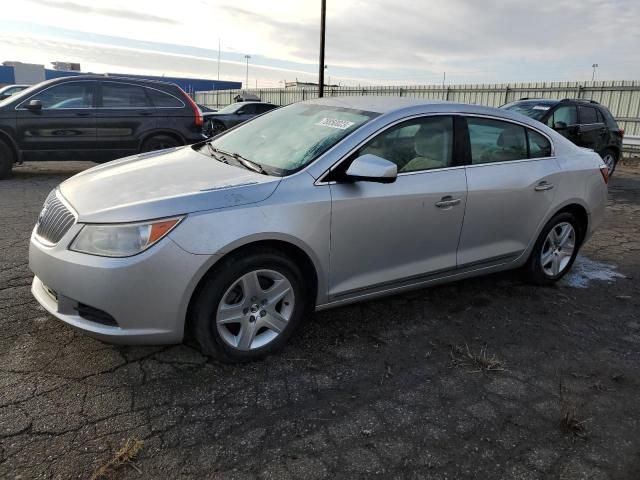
(335, 123)
(541, 107)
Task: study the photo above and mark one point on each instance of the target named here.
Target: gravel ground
(382, 389)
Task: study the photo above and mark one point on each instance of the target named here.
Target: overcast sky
(368, 41)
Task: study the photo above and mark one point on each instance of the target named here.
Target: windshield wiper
(245, 162)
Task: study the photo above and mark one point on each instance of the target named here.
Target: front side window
(123, 95)
(420, 144)
(291, 137)
(66, 96)
(567, 114)
(496, 141)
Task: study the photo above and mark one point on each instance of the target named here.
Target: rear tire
(555, 250)
(6, 160)
(249, 307)
(159, 142)
(610, 159)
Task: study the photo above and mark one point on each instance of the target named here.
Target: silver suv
(308, 207)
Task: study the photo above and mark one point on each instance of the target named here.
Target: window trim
(144, 87)
(94, 100)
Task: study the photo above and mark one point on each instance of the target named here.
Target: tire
(548, 269)
(610, 158)
(256, 325)
(214, 128)
(159, 142)
(6, 160)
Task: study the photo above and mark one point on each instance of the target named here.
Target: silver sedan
(319, 204)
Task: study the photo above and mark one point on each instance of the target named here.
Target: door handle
(543, 186)
(448, 202)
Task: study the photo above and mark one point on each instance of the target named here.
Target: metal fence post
(506, 94)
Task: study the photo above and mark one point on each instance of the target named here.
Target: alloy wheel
(558, 249)
(255, 309)
(610, 161)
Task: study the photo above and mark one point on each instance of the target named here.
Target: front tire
(159, 142)
(6, 160)
(249, 307)
(555, 250)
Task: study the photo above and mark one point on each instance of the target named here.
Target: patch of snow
(585, 270)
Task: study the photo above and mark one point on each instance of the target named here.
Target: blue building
(24, 73)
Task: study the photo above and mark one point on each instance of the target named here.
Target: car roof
(107, 77)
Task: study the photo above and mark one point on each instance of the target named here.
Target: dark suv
(94, 117)
(585, 122)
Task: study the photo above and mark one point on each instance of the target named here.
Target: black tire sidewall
(535, 273)
(156, 140)
(219, 281)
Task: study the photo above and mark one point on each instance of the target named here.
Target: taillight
(604, 171)
(621, 133)
(196, 111)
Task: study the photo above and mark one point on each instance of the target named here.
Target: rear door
(65, 128)
(511, 185)
(567, 116)
(593, 131)
(125, 113)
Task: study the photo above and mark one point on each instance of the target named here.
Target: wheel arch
(155, 133)
(6, 138)
(298, 254)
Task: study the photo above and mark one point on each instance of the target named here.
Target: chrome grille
(54, 221)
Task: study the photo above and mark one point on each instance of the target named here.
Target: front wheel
(555, 250)
(610, 159)
(159, 142)
(249, 307)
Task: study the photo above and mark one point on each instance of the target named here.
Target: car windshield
(535, 110)
(230, 108)
(287, 139)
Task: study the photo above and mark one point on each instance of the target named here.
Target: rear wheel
(6, 160)
(249, 307)
(555, 250)
(159, 142)
(610, 159)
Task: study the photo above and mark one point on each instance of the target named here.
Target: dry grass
(479, 362)
(571, 421)
(124, 456)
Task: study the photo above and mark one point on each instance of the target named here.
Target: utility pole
(246, 83)
(323, 12)
(218, 58)
(593, 75)
(444, 78)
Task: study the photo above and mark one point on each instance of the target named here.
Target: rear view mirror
(560, 126)
(371, 168)
(34, 105)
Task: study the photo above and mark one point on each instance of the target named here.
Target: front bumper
(146, 295)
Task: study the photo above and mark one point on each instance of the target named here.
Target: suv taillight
(196, 111)
(604, 171)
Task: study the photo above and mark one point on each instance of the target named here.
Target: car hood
(162, 184)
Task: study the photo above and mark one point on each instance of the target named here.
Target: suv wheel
(250, 307)
(6, 160)
(159, 142)
(610, 159)
(214, 128)
(555, 250)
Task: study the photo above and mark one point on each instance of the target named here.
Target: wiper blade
(256, 167)
(213, 151)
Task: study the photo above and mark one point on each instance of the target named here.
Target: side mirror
(560, 126)
(34, 105)
(240, 112)
(371, 168)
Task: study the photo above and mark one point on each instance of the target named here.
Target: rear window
(163, 100)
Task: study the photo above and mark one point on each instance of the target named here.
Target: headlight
(121, 240)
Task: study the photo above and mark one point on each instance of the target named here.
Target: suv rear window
(163, 100)
(609, 120)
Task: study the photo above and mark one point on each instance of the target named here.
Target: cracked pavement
(363, 391)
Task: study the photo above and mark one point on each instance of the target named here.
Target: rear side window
(248, 109)
(264, 108)
(539, 146)
(163, 100)
(588, 115)
(496, 141)
(609, 120)
(123, 95)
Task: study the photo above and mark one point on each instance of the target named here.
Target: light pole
(321, 66)
(593, 75)
(246, 83)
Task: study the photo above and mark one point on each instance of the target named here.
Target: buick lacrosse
(315, 205)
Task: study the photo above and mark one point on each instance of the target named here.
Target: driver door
(386, 236)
